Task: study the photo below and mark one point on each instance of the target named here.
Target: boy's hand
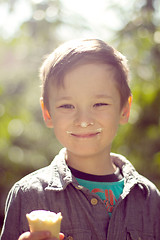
(41, 235)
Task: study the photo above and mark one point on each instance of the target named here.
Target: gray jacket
(136, 215)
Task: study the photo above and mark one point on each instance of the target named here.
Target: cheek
(111, 123)
(108, 117)
(60, 127)
(60, 134)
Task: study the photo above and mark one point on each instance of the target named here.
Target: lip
(85, 135)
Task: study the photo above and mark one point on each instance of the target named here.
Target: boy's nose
(83, 119)
(85, 124)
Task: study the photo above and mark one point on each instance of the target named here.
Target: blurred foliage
(139, 40)
(25, 143)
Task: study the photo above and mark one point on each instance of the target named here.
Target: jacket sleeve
(157, 213)
(152, 209)
(13, 222)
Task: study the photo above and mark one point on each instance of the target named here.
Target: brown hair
(79, 52)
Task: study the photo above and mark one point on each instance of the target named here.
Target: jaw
(97, 162)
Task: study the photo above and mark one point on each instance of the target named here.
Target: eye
(100, 104)
(66, 106)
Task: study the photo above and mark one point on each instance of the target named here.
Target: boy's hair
(79, 52)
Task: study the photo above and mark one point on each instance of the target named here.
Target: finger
(35, 235)
(24, 236)
(61, 236)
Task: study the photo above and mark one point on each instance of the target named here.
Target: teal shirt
(109, 192)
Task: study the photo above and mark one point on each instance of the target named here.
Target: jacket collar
(60, 174)
(131, 176)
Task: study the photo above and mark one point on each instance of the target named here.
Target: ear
(125, 112)
(46, 116)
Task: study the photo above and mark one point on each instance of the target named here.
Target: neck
(97, 165)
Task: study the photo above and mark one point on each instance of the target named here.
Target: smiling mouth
(85, 135)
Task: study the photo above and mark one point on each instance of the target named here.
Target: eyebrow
(103, 96)
(97, 96)
(64, 98)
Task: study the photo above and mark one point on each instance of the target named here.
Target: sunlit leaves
(25, 143)
(139, 41)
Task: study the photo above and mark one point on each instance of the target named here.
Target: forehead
(91, 79)
(89, 72)
(85, 71)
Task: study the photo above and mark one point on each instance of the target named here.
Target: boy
(85, 97)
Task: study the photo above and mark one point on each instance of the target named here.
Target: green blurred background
(30, 29)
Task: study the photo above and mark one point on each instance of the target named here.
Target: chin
(83, 152)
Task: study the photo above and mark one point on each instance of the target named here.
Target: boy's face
(86, 112)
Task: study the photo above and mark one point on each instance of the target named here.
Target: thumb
(61, 236)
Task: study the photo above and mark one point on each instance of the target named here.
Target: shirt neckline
(115, 177)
